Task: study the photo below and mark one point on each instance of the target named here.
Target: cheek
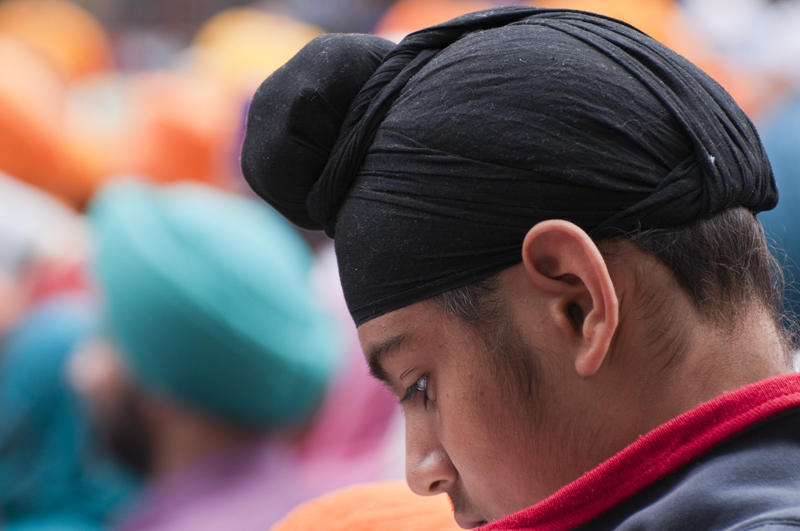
(491, 443)
(471, 428)
(483, 408)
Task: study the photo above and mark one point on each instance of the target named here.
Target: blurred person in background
(70, 116)
(216, 356)
(54, 473)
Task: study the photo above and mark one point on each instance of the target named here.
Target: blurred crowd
(175, 355)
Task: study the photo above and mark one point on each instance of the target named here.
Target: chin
(468, 522)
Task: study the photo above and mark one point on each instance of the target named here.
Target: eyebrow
(380, 352)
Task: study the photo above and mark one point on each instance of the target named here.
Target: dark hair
(722, 262)
(480, 306)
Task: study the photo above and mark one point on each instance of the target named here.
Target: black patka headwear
(429, 161)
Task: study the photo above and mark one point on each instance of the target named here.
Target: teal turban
(208, 301)
(53, 474)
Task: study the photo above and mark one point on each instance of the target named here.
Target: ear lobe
(563, 261)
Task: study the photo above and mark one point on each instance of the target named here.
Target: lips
(463, 509)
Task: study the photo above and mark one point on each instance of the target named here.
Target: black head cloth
(430, 161)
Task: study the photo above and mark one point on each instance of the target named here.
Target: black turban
(429, 161)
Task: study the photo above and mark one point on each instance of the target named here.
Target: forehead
(423, 328)
(423, 338)
(383, 336)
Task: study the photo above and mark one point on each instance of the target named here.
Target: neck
(691, 362)
(639, 388)
(713, 360)
(680, 357)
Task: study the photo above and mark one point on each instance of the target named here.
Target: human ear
(563, 262)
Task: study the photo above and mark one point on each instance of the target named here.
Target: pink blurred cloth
(251, 488)
(355, 419)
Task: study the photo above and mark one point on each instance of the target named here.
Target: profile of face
(496, 437)
(465, 432)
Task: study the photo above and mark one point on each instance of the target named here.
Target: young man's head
(516, 385)
(545, 228)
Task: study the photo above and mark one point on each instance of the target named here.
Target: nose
(429, 470)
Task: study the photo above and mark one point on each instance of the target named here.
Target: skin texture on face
(461, 435)
(616, 346)
(471, 430)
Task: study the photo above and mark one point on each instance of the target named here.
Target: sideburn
(482, 311)
(515, 365)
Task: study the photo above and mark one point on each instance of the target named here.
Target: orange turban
(185, 128)
(241, 46)
(407, 16)
(652, 17)
(664, 21)
(32, 144)
(376, 507)
(69, 37)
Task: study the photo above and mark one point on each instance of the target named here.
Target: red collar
(656, 455)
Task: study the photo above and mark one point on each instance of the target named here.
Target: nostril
(429, 470)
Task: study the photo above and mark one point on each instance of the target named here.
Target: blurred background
(157, 90)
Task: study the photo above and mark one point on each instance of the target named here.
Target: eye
(420, 386)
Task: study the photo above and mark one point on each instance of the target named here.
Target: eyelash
(420, 386)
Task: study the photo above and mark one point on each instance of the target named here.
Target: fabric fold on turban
(208, 298)
(469, 133)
